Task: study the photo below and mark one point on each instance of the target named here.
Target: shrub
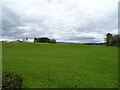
(11, 80)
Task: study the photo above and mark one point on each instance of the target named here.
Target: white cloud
(65, 20)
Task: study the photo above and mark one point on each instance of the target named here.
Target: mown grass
(63, 65)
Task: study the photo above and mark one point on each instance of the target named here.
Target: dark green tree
(42, 40)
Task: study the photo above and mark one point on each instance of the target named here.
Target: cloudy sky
(80, 21)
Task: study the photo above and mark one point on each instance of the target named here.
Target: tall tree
(23, 39)
(26, 39)
(109, 39)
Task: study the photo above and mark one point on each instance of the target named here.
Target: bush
(11, 80)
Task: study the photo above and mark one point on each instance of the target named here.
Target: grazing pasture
(62, 65)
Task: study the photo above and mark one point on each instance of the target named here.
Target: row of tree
(44, 40)
(112, 40)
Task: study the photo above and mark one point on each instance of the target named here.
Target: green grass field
(63, 65)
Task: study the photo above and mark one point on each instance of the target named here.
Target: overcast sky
(80, 21)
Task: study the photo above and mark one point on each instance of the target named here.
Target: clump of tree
(18, 41)
(52, 41)
(112, 40)
(44, 40)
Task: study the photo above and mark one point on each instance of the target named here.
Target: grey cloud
(10, 22)
(63, 20)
